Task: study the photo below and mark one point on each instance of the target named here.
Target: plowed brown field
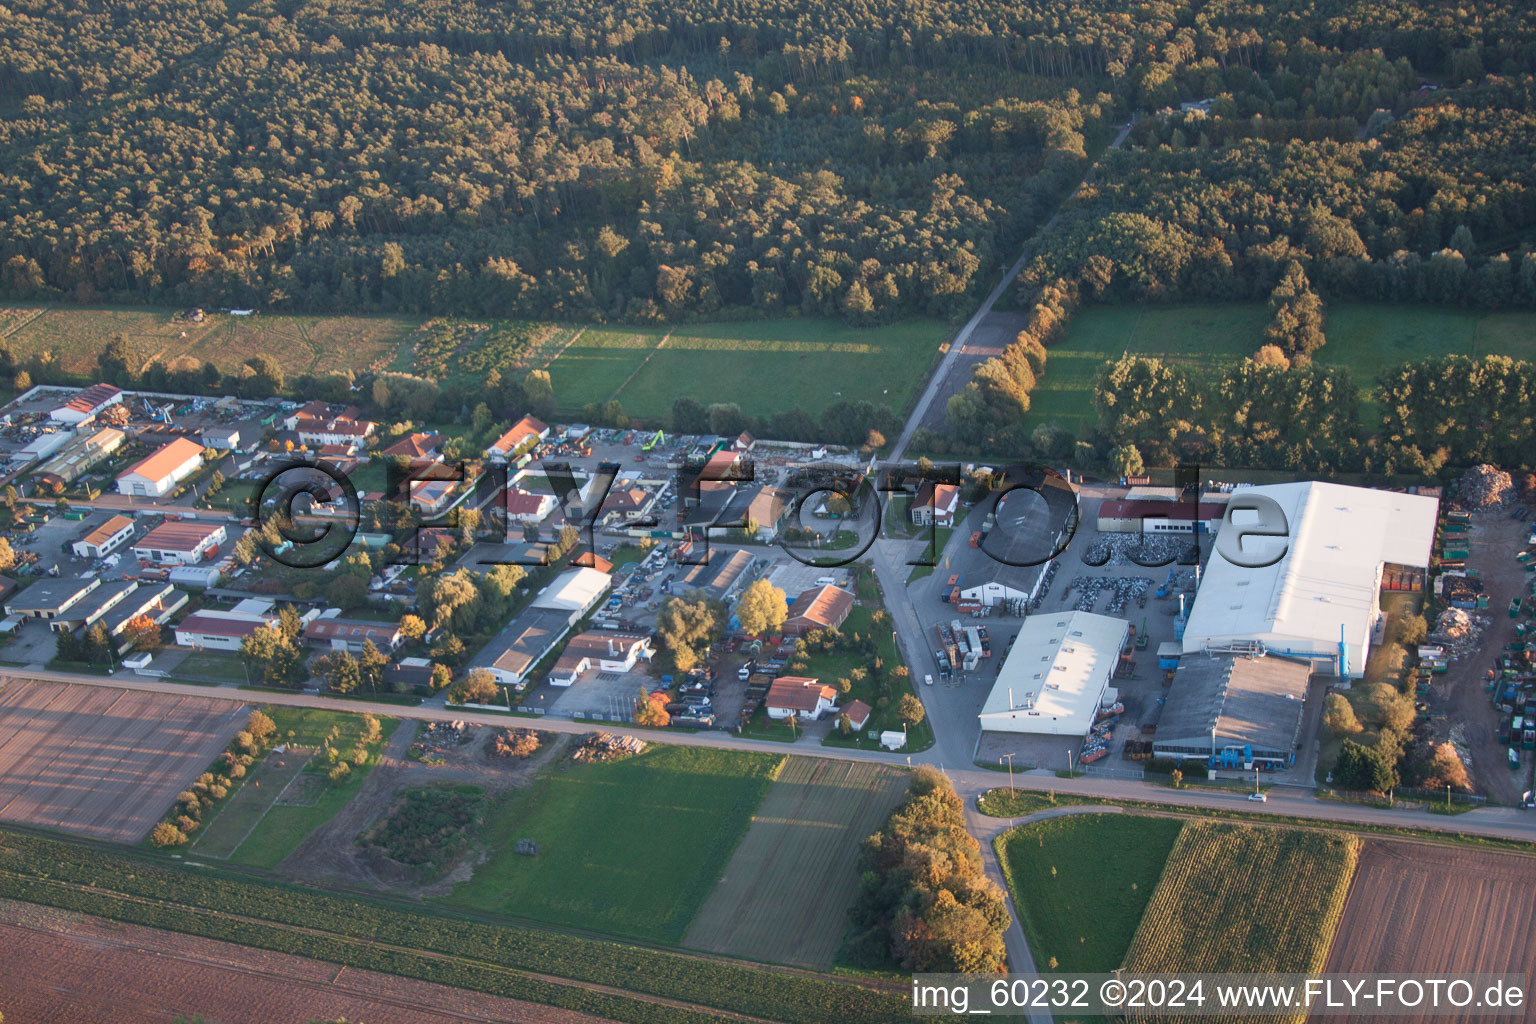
(100, 762)
(1429, 911)
(62, 968)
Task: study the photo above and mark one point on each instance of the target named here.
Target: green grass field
(1003, 802)
(239, 814)
(770, 366)
(1363, 337)
(300, 344)
(1243, 898)
(629, 847)
(212, 666)
(1081, 882)
(764, 366)
(597, 363)
(804, 840)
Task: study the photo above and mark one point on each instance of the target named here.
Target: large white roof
(1328, 577)
(574, 590)
(1053, 678)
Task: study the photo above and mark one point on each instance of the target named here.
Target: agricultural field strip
(636, 371)
(545, 363)
(1069, 869)
(115, 969)
(1085, 804)
(93, 755)
(805, 838)
(1436, 912)
(1286, 889)
(28, 315)
(693, 803)
(77, 876)
(375, 944)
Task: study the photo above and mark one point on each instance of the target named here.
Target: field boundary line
(259, 819)
(573, 339)
(1360, 830)
(633, 373)
(36, 315)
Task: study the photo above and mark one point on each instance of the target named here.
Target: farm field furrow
(85, 969)
(102, 763)
(1433, 911)
(1245, 899)
(804, 839)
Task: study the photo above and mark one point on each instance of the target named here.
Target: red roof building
(936, 504)
(346, 635)
(798, 696)
(1159, 516)
(526, 430)
(415, 446)
(858, 713)
(86, 403)
(824, 607)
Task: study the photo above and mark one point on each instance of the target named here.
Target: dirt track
(102, 763)
(63, 968)
(1458, 694)
(1430, 911)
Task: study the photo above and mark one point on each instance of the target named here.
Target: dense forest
(1366, 152)
(647, 162)
(493, 159)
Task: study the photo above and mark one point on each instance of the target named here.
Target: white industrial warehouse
(1057, 676)
(1320, 600)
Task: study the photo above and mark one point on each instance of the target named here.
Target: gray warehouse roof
(1254, 701)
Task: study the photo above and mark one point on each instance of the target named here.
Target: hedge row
(1191, 768)
(794, 999)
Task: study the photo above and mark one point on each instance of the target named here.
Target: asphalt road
(957, 346)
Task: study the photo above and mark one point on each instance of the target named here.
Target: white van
(826, 581)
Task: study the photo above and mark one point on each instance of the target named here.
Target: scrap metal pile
(1458, 632)
(1126, 548)
(1122, 590)
(1018, 607)
(1485, 486)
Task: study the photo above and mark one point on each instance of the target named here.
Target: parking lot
(606, 696)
